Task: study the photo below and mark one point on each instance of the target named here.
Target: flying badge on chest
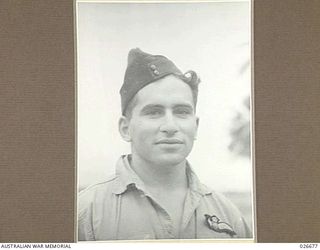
(214, 223)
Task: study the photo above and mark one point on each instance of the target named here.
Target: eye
(183, 112)
(154, 113)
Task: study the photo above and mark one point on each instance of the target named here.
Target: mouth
(169, 141)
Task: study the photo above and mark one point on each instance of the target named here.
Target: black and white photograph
(164, 140)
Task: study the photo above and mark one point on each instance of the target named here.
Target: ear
(197, 123)
(124, 128)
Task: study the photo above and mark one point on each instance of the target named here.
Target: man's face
(163, 125)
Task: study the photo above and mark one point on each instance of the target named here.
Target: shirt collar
(127, 178)
(194, 182)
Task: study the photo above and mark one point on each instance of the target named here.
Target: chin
(168, 159)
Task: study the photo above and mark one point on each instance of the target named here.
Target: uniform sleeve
(85, 225)
(243, 229)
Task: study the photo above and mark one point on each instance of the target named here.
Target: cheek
(143, 131)
(190, 129)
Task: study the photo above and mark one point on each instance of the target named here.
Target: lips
(169, 141)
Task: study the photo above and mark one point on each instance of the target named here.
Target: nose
(169, 124)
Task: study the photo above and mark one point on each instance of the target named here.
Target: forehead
(167, 91)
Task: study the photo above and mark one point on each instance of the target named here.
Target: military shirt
(121, 208)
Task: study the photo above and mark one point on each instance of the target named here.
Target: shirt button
(153, 67)
(156, 72)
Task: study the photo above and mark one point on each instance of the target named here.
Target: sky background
(212, 39)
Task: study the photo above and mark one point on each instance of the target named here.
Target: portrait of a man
(155, 193)
(164, 149)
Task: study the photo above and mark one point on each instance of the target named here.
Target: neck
(169, 177)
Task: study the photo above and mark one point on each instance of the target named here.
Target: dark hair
(132, 103)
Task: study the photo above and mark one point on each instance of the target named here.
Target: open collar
(127, 179)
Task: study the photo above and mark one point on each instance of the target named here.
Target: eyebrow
(183, 106)
(152, 106)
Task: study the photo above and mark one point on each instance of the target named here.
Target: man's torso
(120, 210)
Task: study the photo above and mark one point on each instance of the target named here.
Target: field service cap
(144, 68)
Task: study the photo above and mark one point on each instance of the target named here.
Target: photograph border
(251, 116)
(38, 133)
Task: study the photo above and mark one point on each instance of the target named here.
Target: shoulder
(220, 201)
(91, 207)
(108, 182)
(223, 201)
(97, 192)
